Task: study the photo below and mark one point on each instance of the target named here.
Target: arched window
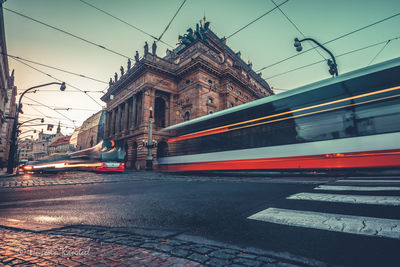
(186, 117)
(159, 112)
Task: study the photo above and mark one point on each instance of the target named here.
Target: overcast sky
(265, 42)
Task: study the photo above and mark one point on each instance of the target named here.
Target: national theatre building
(199, 77)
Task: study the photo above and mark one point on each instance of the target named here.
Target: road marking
(331, 222)
(357, 188)
(354, 199)
(368, 181)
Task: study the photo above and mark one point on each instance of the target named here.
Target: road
(337, 220)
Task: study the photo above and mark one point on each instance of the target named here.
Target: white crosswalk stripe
(355, 199)
(356, 188)
(331, 222)
(369, 181)
(352, 224)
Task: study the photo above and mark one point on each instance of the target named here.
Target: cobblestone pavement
(79, 246)
(75, 178)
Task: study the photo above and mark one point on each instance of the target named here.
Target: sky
(264, 42)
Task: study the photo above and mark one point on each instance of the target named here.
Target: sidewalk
(87, 245)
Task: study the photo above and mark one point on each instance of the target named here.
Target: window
(210, 100)
(187, 81)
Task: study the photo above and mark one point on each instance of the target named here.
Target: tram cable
(251, 22)
(67, 33)
(49, 75)
(54, 68)
(320, 61)
(176, 13)
(332, 40)
(125, 22)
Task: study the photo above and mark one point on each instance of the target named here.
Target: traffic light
(20, 109)
(50, 127)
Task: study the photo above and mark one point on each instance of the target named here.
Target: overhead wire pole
(125, 22)
(346, 53)
(297, 28)
(332, 40)
(55, 68)
(251, 22)
(67, 33)
(49, 75)
(176, 13)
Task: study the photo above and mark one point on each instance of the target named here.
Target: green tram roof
(323, 83)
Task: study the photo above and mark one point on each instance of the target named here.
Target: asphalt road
(215, 208)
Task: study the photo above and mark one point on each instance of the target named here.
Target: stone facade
(193, 80)
(92, 131)
(7, 96)
(61, 145)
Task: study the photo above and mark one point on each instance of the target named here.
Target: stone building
(25, 149)
(91, 131)
(201, 76)
(41, 145)
(60, 145)
(7, 95)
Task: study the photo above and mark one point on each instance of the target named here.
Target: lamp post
(331, 62)
(150, 143)
(14, 134)
(20, 124)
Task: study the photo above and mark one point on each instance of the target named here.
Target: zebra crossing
(378, 191)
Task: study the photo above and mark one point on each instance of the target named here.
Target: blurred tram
(348, 122)
(106, 156)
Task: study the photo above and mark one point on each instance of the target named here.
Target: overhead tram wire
(54, 118)
(176, 13)
(55, 68)
(380, 51)
(52, 109)
(62, 108)
(49, 75)
(251, 22)
(67, 33)
(332, 40)
(50, 90)
(346, 53)
(297, 28)
(125, 22)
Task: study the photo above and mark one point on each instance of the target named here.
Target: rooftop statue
(146, 48)
(116, 77)
(122, 71)
(191, 35)
(137, 56)
(129, 63)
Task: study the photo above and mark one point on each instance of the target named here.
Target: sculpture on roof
(129, 64)
(199, 33)
(110, 82)
(122, 71)
(137, 56)
(115, 77)
(146, 48)
(154, 48)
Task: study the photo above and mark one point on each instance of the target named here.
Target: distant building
(60, 145)
(40, 146)
(201, 76)
(91, 131)
(25, 149)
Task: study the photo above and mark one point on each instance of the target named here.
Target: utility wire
(51, 109)
(49, 75)
(55, 68)
(67, 33)
(332, 40)
(56, 119)
(176, 13)
(62, 108)
(297, 28)
(125, 22)
(49, 90)
(251, 22)
(317, 62)
(380, 51)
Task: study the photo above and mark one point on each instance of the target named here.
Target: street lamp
(331, 62)
(21, 123)
(150, 143)
(14, 134)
